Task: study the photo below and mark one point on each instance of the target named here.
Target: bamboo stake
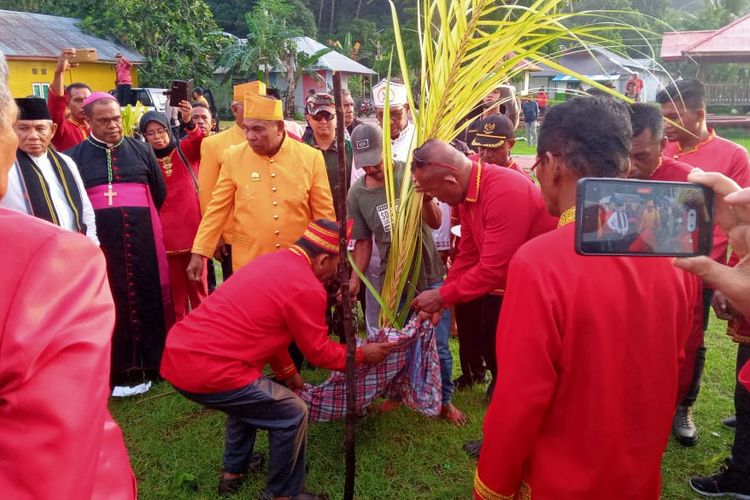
(346, 305)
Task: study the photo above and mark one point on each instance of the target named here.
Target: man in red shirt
(494, 139)
(216, 355)
(577, 348)
(73, 129)
(542, 101)
(733, 213)
(57, 437)
(123, 79)
(499, 211)
(693, 142)
(647, 162)
(636, 84)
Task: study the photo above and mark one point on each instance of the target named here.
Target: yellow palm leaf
(468, 48)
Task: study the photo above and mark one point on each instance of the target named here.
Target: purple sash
(131, 194)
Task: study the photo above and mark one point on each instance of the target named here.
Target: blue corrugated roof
(23, 34)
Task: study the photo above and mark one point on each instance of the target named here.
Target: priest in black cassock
(126, 188)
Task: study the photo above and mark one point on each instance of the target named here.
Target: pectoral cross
(109, 194)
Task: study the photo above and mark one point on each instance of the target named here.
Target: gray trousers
(531, 133)
(263, 404)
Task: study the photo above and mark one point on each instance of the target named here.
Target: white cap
(397, 94)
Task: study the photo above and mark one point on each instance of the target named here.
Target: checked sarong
(410, 374)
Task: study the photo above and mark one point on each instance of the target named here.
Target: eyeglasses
(540, 158)
(323, 115)
(153, 133)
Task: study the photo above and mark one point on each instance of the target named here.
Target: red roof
(728, 44)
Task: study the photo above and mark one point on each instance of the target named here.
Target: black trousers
(226, 269)
(476, 322)
(123, 94)
(741, 446)
(700, 357)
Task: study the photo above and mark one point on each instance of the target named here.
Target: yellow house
(32, 42)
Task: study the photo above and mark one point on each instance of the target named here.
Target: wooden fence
(720, 94)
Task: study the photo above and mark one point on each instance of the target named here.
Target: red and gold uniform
(577, 348)
(511, 165)
(249, 322)
(69, 132)
(715, 154)
(502, 210)
(671, 170)
(57, 438)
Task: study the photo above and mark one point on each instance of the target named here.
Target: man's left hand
(428, 301)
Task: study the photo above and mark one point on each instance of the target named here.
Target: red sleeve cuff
(359, 356)
(285, 373)
(449, 294)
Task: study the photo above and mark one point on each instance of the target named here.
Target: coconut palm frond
(468, 48)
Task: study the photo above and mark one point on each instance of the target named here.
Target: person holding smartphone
(733, 283)
(123, 79)
(578, 347)
(692, 141)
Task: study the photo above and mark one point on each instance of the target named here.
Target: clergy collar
(472, 194)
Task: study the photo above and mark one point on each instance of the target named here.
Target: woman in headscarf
(180, 214)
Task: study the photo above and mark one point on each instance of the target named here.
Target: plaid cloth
(410, 374)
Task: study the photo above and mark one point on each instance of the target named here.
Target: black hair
(77, 85)
(690, 93)
(198, 90)
(198, 104)
(314, 250)
(646, 116)
(275, 93)
(593, 133)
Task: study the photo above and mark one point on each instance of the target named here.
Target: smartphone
(181, 90)
(647, 218)
(85, 55)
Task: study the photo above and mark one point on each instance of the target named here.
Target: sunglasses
(323, 115)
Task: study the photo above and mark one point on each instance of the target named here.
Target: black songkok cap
(494, 131)
(32, 108)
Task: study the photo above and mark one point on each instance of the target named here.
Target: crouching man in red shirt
(216, 356)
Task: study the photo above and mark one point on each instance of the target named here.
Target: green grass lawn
(175, 445)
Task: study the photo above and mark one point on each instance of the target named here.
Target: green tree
(269, 40)
(230, 16)
(297, 63)
(178, 38)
